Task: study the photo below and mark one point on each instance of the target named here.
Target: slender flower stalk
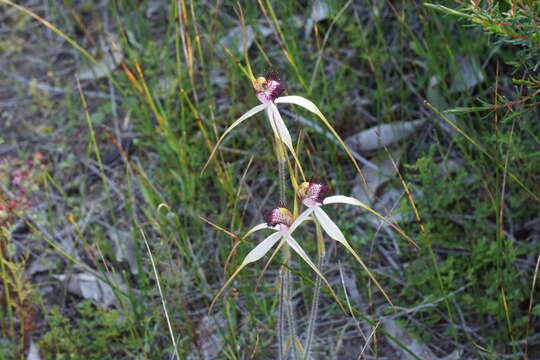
(316, 294)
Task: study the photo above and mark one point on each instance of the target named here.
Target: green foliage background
(467, 290)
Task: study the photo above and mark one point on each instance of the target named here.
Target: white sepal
(299, 220)
(246, 116)
(329, 226)
(340, 199)
(278, 126)
(260, 250)
(256, 228)
(300, 101)
(296, 247)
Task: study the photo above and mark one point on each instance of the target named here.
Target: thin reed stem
(290, 313)
(173, 339)
(281, 317)
(316, 292)
(281, 158)
(313, 313)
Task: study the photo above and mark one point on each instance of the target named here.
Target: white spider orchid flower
(313, 196)
(279, 219)
(268, 90)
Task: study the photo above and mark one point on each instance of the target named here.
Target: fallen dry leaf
(376, 177)
(435, 97)
(419, 349)
(469, 75)
(383, 135)
(210, 341)
(88, 286)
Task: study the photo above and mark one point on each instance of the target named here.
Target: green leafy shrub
(97, 334)
(475, 262)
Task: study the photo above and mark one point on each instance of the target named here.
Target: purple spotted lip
(268, 88)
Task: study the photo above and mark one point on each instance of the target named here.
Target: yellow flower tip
(303, 190)
(259, 84)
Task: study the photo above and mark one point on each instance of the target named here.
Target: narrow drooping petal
(300, 101)
(298, 249)
(308, 105)
(340, 199)
(256, 228)
(260, 250)
(300, 219)
(278, 126)
(329, 226)
(272, 121)
(244, 117)
(282, 133)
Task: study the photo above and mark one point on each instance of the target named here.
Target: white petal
(329, 226)
(308, 105)
(246, 116)
(256, 228)
(300, 219)
(343, 200)
(281, 132)
(300, 101)
(254, 255)
(279, 127)
(270, 114)
(296, 247)
(284, 134)
(260, 250)
(340, 199)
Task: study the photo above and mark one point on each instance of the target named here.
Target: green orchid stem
(281, 169)
(284, 310)
(313, 314)
(291, 319)
(281, 318)
(286, 318)
(316, 292)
